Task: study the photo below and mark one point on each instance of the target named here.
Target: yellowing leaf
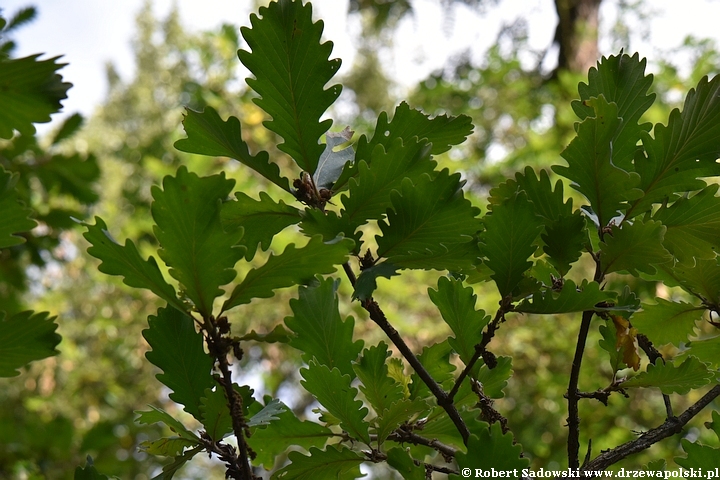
(627, 342)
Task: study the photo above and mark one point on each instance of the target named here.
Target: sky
(90, 33)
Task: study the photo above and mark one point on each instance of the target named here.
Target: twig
(653, 355)
(573, 420)
(443, 400)
(670, 427)
(404, 434)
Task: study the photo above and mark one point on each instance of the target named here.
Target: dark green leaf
(277, 334)
(200, 253)
(369, 191)
(157, 415)
(565, 239)
(334, 462)
(332, 389)
(633, 247)
(215, 413)
(495, 380)
(126, 261)
(332, 162)
(320, 333)
(167, 447)
(429, 217)
(609, 343)
(508, 241)
(367, 281)
(68, 128)
(590, 166)
(693, 225)
(73, 175)
(209, 135)
(620, 79)
(177, 349)
(278, 436)
(171, 469)
(707, 350)
(260, 220)
(548, 203)
(667, 322)
(401, 461)
(442, 132)
(699, 456)
(294, 266)
(15, 216)
(457, 307)
(691, 374)
(683, 150)
(88, 472)
(490, 448)
(399, 413)
(570, 299)
(701, 279)
(372, 371)
(31, 92)
(291, 68)
(25, 337)
(436, 360)
(329, 225)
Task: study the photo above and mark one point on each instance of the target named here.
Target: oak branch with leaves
(645, 211)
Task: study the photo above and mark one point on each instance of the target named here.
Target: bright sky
(90, 33)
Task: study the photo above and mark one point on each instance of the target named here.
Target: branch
(404, 434)
(670, 427)
(443, 400)
(573, 398)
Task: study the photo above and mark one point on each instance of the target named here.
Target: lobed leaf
(200, 254)
(379, 389)
(404, 411)
(177, 349)
(367, 280)
(15, 216)
(294, 266)
(215, 413)
(429, 216)
(167, 447)
(457, 307)
(332, 162)
(269, 413)
(333, 462)
(707, 350)
(209, 135)
(488, 448)
(260, 220)
(495, 379)
(291, 68)
(158, 415)
(320, 333)
(508, 241)
(332, 389)
(26, 337)
(436, 360)
(634, 247)
(400, 460)
(570, 299)
(667, 322)
(689, 375)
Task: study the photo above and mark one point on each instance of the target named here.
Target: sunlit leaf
(372, 371)
(291, 68)
(177, 349)
(707, 350)
(669, 378)
(333, 462)
(667, 322)
(626, 342)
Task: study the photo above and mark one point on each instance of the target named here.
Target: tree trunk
(577, 34)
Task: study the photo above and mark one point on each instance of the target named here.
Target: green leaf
(126, 261)
(32, 91)
(171, 469)
(429, 217)
(548, 203)
(200, 253)
(457, 307)
(294, 266)
(15, 216)
(667, 322)
(633, 247)
(699, 456)
(332, 389)
(701, 279)
(609, 343)
(329, 225)
(334, 462)
(683, 150)
(268, 414)
(73, 175)
(494, 380)
(372, 371)
(620, 79)
(291, 68)
(707, 350)
(286, 431)
(332, 162)
(570, 299)
(320, 333)
(69, 127)
(693, 225)
(399, 413)
(260, 220)
(491, 448)
(25, 337)
(401, 461)
(590, 166)
(508, 241)
(167, 447)
(367, 280)
(209, 135)
(565, 239)
(442, 132)
(215, 413)
(89, 472)
(157, 415)
(277, 334)
(368, 195)
(177, 349)
(436, 360)
(691, 374)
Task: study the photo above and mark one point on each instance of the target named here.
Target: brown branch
(670, 427)
(572, 395)
(653, 356)
(404, 434)
(443, 400)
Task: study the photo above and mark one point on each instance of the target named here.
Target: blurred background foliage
(81, 402)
